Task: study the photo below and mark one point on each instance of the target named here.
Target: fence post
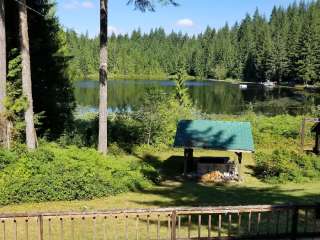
(40, 221)
(294, 226)
(173, 226)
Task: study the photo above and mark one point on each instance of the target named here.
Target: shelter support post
(188, 161)
(317, 144)
(239, 154)
(302, 134)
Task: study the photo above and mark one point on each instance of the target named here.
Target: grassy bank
(173, 192)
(228, 80)
(153, 174)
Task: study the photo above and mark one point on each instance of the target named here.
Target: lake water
(208, 96)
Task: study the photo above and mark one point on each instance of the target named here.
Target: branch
(148, 5)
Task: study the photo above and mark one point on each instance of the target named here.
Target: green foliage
(285, 126)
(124, 131)
(182, 94)
(282, 48)
(15, 102)
(53, 173)
(308, 63)
(158, 117)
(277, 141)
(149, 5)
(219, 72)
(154, 123)
(284, 165)
(51, 88)
(83, 132)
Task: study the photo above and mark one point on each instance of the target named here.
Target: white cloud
(87, 4)
(76, 4)
(71, 4)
(113, 29)
(186, 22)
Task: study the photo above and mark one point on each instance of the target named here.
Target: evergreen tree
(308, 49)
(51, 88)
(279, 54)
(182, 94)
(294, 32)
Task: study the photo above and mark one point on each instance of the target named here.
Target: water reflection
(208, 96)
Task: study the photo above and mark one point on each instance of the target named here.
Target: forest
(282, 48)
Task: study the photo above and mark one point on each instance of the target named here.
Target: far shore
(162, 77)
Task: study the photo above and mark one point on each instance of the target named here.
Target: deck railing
(235, 222)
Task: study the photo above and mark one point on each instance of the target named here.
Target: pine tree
(246, 48)
(262, 50)
(294, 32)
(279, 32)
(182, 94)
(307, 60)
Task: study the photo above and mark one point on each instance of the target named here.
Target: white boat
(243, 86)
(269, 84)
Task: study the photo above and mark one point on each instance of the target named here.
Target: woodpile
(211, 177)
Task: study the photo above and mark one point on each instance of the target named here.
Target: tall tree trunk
(26, 76)
(103, 77)
(3, 74)
(3, 56)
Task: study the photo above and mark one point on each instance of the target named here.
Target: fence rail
(234, 222)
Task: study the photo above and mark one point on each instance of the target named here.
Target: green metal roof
(215, 135)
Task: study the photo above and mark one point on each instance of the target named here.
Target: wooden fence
(236, 222)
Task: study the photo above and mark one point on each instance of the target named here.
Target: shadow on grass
(181, 192)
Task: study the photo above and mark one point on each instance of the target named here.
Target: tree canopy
(283, 47)
(52, 91)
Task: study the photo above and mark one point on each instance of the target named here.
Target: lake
(208, 96)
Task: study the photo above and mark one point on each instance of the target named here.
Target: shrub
(282, 125)
(54, 173)
(284, 165)
(220, 72)
(158, 117)
(123, 131)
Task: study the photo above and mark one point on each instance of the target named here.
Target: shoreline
(95, 77)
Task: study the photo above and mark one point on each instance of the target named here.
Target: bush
(153, 124)
(158, 117)
(53, 173)
(123, 132)
(284, 165)
(220, 72)
(282, 125)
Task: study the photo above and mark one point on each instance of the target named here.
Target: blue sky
(192, 16)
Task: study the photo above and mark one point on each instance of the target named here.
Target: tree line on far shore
(284, 47)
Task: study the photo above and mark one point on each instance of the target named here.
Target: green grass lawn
(174, 191)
